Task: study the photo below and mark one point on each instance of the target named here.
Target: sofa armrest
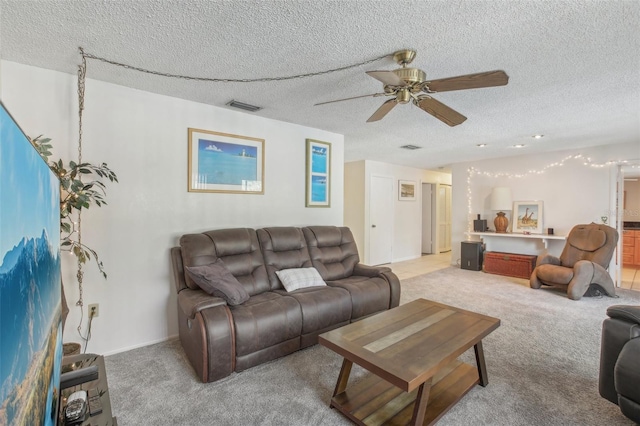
(369, 271)
(394, 285)
(625, 312)
(626, 377)
(193, 301)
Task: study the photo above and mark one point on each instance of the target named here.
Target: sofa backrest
(283, 248)
(239, 250)
(333, 251)
(593, 242)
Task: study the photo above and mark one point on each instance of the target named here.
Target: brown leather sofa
(620, 359)
(220, 338)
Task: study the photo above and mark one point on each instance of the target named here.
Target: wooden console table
(531, 244)
(99, 385)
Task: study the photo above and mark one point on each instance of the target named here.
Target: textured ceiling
(574, 66)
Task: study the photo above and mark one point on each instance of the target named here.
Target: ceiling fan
(411, 84)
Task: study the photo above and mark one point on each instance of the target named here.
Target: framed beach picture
(527, 217)
(223, 162)
(406, 190)
(318, 175)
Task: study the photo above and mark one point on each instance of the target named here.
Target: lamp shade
(501, 198)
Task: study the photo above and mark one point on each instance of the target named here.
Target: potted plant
(81, 185)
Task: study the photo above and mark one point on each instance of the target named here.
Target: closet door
(380, 220)
(444, 218)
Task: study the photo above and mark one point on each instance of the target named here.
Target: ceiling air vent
(243, 106)
(410, 147)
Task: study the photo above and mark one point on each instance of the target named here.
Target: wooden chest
(510, 264)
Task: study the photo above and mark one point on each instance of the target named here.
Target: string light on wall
(586, 161)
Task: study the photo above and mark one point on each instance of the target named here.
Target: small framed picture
(527, 217)
(406, 190)
(222, 162)
(318, 175)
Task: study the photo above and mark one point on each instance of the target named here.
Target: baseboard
(141, 345)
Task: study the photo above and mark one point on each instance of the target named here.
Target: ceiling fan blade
(348, 99)
(388, 78)
(441, 111)
(383, 110)
(469, 81)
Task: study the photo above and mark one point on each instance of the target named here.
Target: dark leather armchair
(582, 264)
(620, 359)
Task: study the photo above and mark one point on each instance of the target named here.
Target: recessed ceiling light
(537, 136)
(520, 145)
(481, 145)
(410, 147)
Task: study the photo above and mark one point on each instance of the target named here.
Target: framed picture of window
(318, 174)
(223, 162)
(527, 217)
(406, 190)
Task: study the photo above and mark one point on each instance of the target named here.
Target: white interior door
(381, 203)
(444, 218)
(427, 225)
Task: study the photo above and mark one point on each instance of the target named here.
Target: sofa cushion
(322, 307)
(368, 295)
(333, 251)
(296, 278)
(265, 320)
(282, 248)
(216, 280)
(240, 251)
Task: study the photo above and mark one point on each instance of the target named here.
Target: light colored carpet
(542, 363)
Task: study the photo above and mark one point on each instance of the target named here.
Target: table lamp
(501, 200)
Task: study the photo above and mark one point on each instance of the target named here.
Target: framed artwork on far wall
(318, 174)
(527, 217)
(223, 162)
(406, 190)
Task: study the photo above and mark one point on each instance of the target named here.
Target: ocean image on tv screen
(30, 296)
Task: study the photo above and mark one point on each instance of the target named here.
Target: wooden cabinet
(631, 248)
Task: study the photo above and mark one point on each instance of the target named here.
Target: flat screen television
(30, 286)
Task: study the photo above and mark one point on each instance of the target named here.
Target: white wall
(354, 202)
(573, 193)
(407, 215)
(143, 138)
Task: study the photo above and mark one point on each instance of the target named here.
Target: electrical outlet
(94, 310)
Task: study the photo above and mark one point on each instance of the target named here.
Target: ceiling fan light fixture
(411, 147)
(243, 106)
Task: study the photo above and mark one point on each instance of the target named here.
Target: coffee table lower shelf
(374, 401)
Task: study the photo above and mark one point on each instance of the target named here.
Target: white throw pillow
(296, 278)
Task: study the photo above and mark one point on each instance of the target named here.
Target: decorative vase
(501, 222)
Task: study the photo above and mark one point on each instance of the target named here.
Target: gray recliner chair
(583, 263)
(620, 359)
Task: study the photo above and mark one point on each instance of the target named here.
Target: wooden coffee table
(412, 352)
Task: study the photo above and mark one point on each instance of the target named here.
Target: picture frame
(224, 162)
(406, 190)
(318, 174)
(528, 217)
